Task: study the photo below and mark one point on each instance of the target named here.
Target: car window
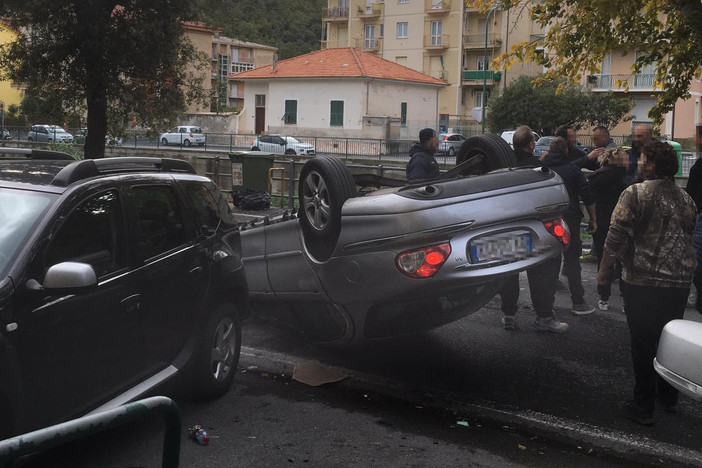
(93, 233)
(460, 138)
(196, 130)
(264, 139)
(292, 141)
(20, 212)
(205, 206)
(160, 219)
(182, 130)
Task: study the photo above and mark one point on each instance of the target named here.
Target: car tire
(30, 139)
(325, 184)
(217, 355)
(290, 152)
(186, 143)
(164, 142)
(255, 148)
(493, 153)
(452, 151)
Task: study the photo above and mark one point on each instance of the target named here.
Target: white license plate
(507, 247)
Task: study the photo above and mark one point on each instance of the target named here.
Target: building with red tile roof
(338, 92)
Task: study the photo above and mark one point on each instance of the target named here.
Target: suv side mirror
(66, 277)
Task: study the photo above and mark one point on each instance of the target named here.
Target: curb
(622, 445)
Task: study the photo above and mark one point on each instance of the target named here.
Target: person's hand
(603, 277)
(594, 154)
(592, 226)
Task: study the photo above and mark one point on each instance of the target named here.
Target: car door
(77, 350)
(170, 269)
(173, 136)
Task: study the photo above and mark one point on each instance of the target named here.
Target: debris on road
(198, 434)
(314, 374)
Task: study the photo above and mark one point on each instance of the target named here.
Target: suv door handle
(195, 271)
(131, 303)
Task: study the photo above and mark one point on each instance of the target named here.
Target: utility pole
(485, 68)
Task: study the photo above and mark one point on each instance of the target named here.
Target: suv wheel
(488, 152)
(290, 151)
(164, 142)
(30, 139)
(218, 354)
(186, 143)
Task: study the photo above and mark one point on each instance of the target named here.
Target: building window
(403, 1)
(290, 116)
(381, 30)
(336, 118)
(436, 28)
(370, 40)
(402, 30)
(479, 98)
(482, 65)
(260, 100)
(403, 114)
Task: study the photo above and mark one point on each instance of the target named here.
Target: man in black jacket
(422, 165)
(575, 155)
(542, 277)
(578, 187)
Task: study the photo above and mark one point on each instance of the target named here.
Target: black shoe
(634, 412)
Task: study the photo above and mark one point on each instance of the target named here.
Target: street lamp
(487, 28)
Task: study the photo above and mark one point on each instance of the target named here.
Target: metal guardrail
(52, 436)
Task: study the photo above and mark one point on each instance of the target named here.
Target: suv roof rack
(95, 167)
(35, 154)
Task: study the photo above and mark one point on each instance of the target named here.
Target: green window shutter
(290, 116)
(403, 114)
(337, 114)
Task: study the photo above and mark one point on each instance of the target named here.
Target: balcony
(640, 82)
(332, 44)
(238, 67)
(477, 41)
(437, 7)
(436, 42)
(369, 44)
(335, 14)
(474, 77)
(370, 10)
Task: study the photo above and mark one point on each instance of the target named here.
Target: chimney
(275, 63)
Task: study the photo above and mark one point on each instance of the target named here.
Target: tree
(663, 33)
(112, 58)
(539, 106)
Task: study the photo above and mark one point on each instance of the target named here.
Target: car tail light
(559, 229)
(424, 262)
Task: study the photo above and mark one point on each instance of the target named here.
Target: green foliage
(65, 147)
(293, 26)
(663, 33)
(544, 109)
(112, 58)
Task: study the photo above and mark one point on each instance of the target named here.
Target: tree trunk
(97, 121)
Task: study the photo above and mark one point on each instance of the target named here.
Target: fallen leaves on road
(314, 374)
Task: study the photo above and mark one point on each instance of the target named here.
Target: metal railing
(437, 41)
(641, 81)
(53, 436)
(437, 6)
(335, 13)
(479, 75)
(478, 40)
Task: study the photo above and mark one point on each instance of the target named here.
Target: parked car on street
(449, 143)
(114, 278)
(49, 133)
(679, 357)
(543, 142)
(5, 135)
(110, 140)
(280, 144)
(185, 135)
(366, 264)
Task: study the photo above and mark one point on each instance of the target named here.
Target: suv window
(160, 219)
(93, 233)
(205, 207)
(264, 139)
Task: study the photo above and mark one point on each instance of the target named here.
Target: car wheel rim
(315, 196)
(222, 353)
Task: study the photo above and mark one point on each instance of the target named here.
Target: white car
(279, 144)
(49, 133)
(509, 134)
(449, 143)
(679, 357)
(184, 135)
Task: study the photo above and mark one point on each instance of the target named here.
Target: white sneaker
(603, 305)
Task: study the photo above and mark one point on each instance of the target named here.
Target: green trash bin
(250, 169)
(678, 150)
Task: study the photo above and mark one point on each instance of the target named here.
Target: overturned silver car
(357, 265)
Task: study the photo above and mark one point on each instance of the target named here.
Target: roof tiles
(347, 62)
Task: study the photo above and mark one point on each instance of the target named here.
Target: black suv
(115, 276)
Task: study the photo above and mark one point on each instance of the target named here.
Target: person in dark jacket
(422, 165)
(576, 155)
(607, 184)
(578, 188)
(694, 189)
(542, 278)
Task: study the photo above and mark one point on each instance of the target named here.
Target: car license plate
(507, 247)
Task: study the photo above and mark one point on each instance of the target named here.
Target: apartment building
(615, 75)
(441, 38)
(10, 92)
(228, 57)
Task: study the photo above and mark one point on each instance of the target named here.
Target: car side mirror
(679, 357)
(66, 277)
